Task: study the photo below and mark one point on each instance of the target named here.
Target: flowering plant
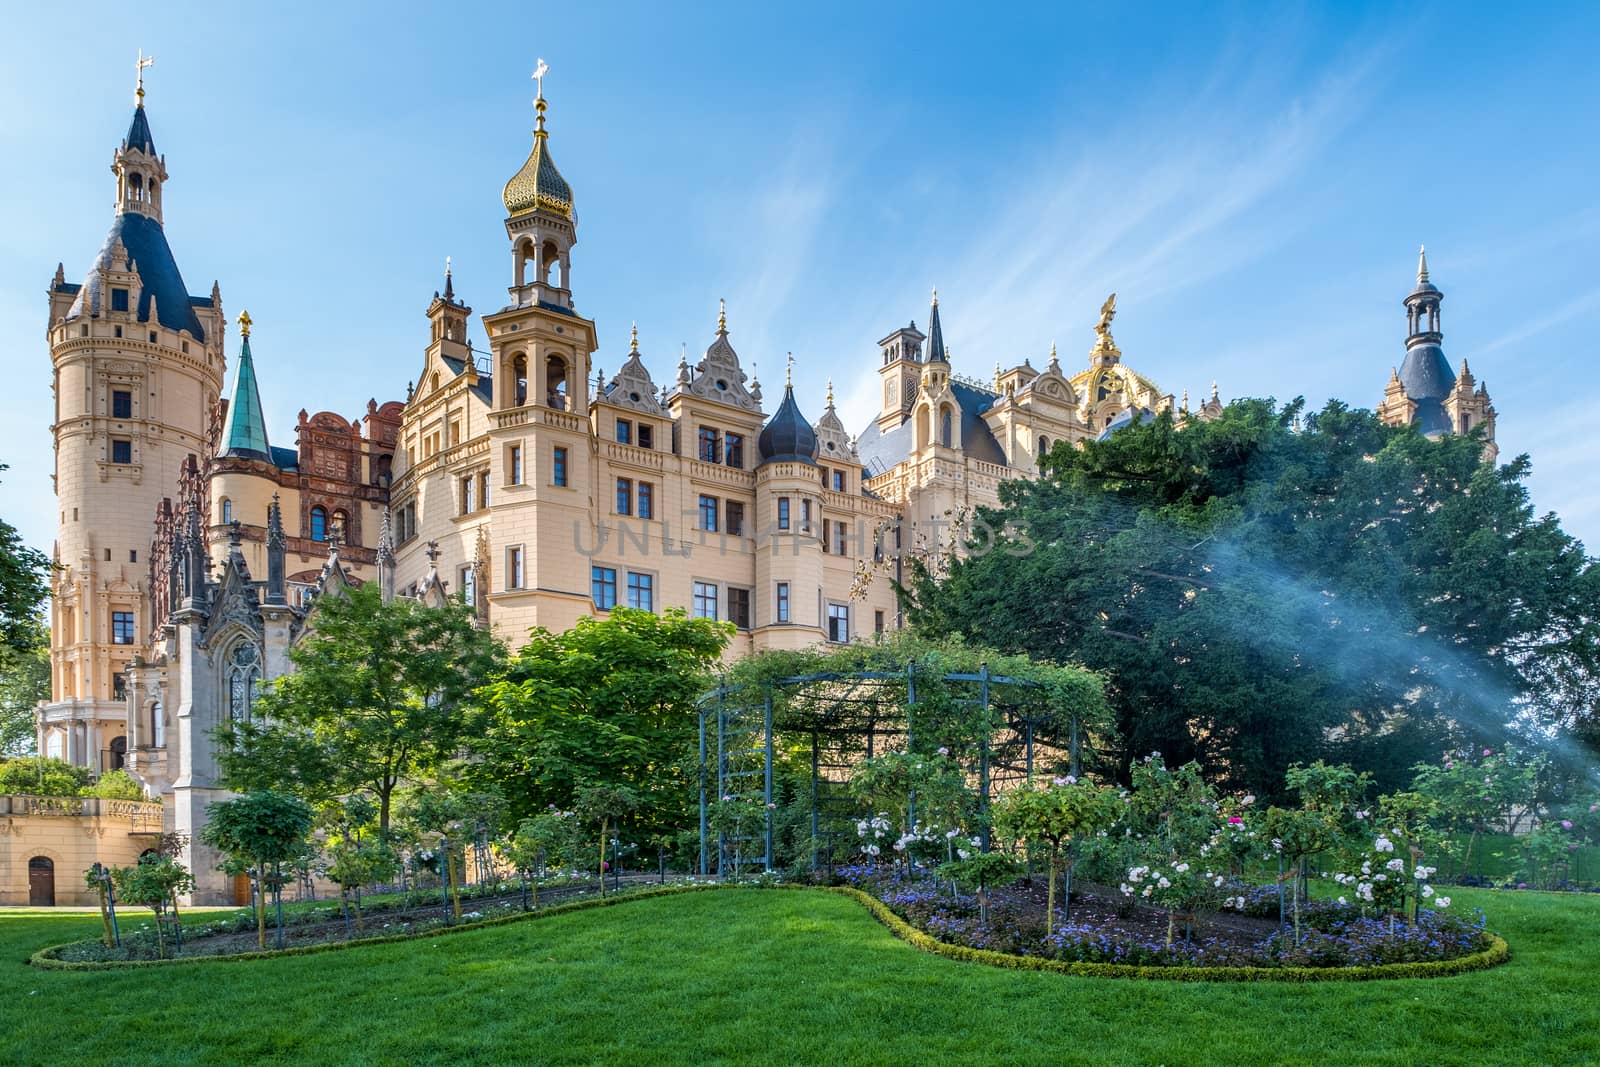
(1050, 816)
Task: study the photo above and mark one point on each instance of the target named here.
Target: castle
(521, 479)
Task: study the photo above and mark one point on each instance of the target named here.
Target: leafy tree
(605, 805)
(1328, 798)
(353, 862)
(447, 819)
(42, 776)
(115, 785)
(1477, 794)
(24, 577)
(981, 870)
(154, 882)
(377, 699)
(550, 837)
(1050, 816)
(24, 682)
(611, 700)
(260, 829)
(1260, 592)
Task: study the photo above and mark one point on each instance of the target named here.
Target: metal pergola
(841, 718)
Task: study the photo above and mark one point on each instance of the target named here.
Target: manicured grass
(779, 977)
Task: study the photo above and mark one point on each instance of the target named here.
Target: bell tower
(138, 367)
(899, 371)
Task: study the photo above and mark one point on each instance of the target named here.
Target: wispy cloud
(1574, 308)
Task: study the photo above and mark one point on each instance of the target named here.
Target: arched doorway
(41, 882)
(119, 753)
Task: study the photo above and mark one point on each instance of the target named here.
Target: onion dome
(787, 436)
(538, 186)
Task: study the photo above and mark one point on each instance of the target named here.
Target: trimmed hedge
(1497, 953)
(46, 958)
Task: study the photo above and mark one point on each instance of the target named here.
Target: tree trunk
(105, 916)
(603, 825)
(261, 904)
(1050, 901)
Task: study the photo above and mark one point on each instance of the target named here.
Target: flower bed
(1102, 930)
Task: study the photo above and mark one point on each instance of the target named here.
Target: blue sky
(1252, 180)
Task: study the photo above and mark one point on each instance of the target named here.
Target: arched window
(555, 377)
(1044, 446)
(519, 381)
(341, 526)
(319, 524)
(119, 753)
(227, 510)
(945, 430)
(244, 672)
(547, 261)
(158, 724)
(136, 182)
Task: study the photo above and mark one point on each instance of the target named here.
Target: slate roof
(881, 450)
(787, 435)
(485, 384)
(139, 133)
(150, 256)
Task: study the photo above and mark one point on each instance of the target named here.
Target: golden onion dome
(539, 186)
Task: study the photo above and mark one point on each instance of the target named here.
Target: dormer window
(119, 299)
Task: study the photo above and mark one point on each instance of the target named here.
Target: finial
(1422, 263)
(830, 390)
(1186, 400)
(935, 298)
(788, 371)
(244, 324)
(449, 284)
(633, 339)
(722, 315)
(138, 87)
(1053, 361)
(1213, 389)
(538, 104)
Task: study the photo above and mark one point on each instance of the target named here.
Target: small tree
(258, 829)
(116, 785)
(605, 805)
(981, 870)
(536, 840)
(354, 862)
(1050, 817)
(95, 879)
(154, 882)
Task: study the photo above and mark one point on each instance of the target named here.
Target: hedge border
(1497, 953)
(1494, 955)
(45, 959)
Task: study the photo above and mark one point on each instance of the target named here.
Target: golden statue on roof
(1108, 311)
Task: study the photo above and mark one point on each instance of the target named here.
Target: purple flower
(1488, 752)
(1566, 824)
(943, 751)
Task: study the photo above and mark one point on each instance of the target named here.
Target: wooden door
(241, 890)
(41, 882)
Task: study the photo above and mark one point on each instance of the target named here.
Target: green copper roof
(244, 434)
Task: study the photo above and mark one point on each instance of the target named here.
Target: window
(468, 585)
(121, 404)
(514, 568)
(838, 622)
(603, 587)
(646, 436)
(805, 516)
(624, 432)
(624, 496)
(483, 489)
(841, 538)
(708, 514)
(783, 513)
(705, 600)
(469, 495)
(733, 450)
(739, 607)
(708, 444)
(735, 516)
(119, 300)
(838, 481)
(642, 591)
(227, 510)
(122, 627)
(319, 524)
(558, 467)
(646, 501)
(121, 450)
(244, 670)
(108, 555)
(944, 429)
(783, 602)
(514, 466)
(877, 622)
(133, 555)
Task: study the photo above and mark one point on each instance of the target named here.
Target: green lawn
(779, 977)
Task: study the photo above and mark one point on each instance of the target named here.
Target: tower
(138, 365)
(1425, 391)
(900, 369)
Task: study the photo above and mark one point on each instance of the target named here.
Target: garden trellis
(999, 728)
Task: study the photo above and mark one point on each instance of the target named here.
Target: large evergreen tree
(1261, 593)
(24, 641)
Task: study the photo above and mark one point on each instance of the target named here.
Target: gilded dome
(538, 186)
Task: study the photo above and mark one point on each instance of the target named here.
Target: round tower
(138, 366)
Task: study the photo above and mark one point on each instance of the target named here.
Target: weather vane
(138, 75)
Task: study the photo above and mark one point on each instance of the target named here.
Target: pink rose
(1235, 820)
(1488, 752)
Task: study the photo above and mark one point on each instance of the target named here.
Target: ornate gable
(632, 387)
(718, 375)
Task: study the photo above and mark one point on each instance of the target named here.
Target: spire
(449, 283)
(633, 339)
(722, 315)
(139, 129)
(244, 434)
(788, 372)
(1055, 364)
(936, 350)
(830, 391)
(1422, 264)
(539, 186)
(275, 553)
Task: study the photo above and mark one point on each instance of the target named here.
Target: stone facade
(46, 843)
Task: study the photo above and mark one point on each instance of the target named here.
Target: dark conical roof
(788, 435)
(936, 334)
(139, 133)
(146, 244)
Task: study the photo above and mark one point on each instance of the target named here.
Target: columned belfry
(1424, 390)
